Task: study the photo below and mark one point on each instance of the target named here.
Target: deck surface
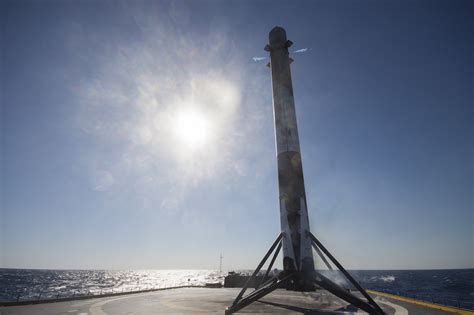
(212, 301)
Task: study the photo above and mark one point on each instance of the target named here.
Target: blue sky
(139, 134)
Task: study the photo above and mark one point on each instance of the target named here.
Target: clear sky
(139, 134)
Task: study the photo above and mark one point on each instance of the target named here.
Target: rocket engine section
(297, 249)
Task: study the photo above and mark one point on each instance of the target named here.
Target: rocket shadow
(308, 311)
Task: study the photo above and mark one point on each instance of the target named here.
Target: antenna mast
(220, 264)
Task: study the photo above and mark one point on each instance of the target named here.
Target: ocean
(454, 287)
(450, 287)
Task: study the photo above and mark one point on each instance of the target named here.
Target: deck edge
(451, 309)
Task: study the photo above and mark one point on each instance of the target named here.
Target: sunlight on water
(30, 284)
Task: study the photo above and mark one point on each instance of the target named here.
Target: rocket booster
(297, 250)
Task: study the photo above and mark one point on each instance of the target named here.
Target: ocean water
(453, 287)
(450, 287)
(33, 284)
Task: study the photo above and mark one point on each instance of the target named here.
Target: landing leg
(340, 292)
(272, 284)
(369, 306)
(262, 288)
(266, 286)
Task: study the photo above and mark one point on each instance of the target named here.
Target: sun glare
(192, 129)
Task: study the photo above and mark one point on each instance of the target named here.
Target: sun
(192, 129)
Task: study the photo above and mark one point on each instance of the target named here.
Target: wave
(387, 279)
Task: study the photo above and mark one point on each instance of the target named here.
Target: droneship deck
(214, 301)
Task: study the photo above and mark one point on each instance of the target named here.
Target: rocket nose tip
(278, 28)
(277, 34)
